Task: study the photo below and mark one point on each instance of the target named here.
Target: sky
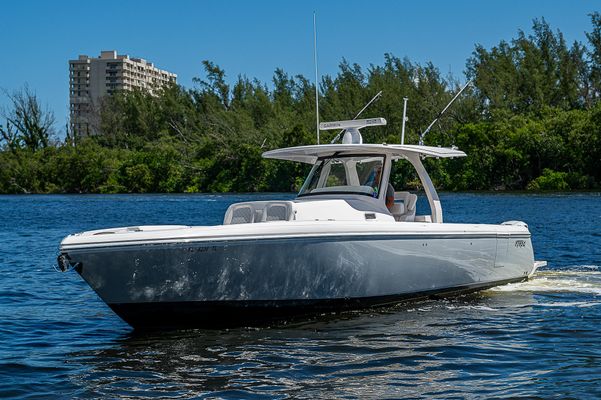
(253, 38)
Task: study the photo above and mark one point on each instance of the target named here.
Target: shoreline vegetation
(530, 122)
(593, 192)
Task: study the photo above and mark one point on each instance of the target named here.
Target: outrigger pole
(358, 114)
(423, 134)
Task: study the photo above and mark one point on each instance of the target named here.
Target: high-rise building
(90, 79)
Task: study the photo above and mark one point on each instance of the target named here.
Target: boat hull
(245, 282)
(228, 314)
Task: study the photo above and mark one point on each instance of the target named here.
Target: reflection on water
(499, 342)
(539, 338)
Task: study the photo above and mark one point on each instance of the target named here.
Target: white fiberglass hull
(230, 275)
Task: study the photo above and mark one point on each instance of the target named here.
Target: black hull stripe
(187, 242)
(228, 314)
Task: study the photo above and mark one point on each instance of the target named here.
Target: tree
(594, 53)
(215, 83)
(27, 125)
(530, 73)
(9, 136)
(533, 115)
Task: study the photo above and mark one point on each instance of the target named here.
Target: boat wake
(583, 279)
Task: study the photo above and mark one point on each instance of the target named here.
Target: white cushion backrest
(277, 211)
(411, 200)
(397, 209)
(239, 214)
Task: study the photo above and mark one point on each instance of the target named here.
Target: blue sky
(254, 38)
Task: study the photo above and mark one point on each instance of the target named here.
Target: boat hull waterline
(240, 282)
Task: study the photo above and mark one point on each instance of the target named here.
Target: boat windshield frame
(320, 162)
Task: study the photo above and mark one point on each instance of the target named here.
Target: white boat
(337, 246)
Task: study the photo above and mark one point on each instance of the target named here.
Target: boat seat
(277, 211)
(397, 210)
(258, 211)
(241, 214)
(409, 201)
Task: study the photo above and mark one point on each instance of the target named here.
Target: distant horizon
(254, 40)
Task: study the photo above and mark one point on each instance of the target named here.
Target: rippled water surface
(541, 338)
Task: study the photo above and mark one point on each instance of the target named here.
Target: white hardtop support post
(386, 175)
(431, 194)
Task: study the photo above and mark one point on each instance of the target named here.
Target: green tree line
(531, 120)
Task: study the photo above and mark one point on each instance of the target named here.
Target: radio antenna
(358, 114)
(424, 133)
(316, 77)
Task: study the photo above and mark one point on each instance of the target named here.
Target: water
(539, 338)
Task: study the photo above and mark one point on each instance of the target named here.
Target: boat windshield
(356, 174)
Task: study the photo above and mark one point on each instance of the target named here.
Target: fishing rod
(423, 134)
(357, 116)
